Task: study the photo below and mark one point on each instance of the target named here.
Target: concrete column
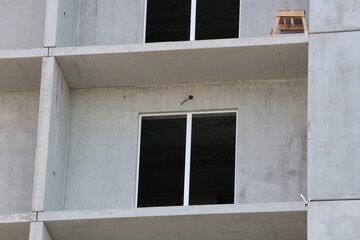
(51, 147)
(38, 231)
(334, 120)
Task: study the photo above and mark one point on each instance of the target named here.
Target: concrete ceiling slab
(244, 221)
(184, 62)
(21, 69)
(16, 226)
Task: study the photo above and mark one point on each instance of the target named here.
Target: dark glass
(162, 161)
(212, 171)
(216, 19)
(168, 20)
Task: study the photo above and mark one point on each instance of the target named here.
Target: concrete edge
(18, 217)
(172, 211)
(184, 45)
(23, 53)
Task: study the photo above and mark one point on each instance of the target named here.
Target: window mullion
(193, 20)
(187, 159)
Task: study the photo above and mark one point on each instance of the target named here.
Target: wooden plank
(292, 27)
(287, 13)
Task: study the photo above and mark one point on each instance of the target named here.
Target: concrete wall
(18, 123)
(334, 15)
(258, 16)
(22, 24)
(334, 116)
(102, 22)
(66, 19)
(271, 142)
(333, 220)
(51, 154)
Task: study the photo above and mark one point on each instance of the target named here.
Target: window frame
(192, 20)
(187, 149)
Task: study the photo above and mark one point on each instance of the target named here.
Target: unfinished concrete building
(178, 119)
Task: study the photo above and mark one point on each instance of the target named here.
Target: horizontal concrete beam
(184, 62)
(173, 211)
(18, 217)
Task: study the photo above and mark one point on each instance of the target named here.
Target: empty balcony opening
(162, 161)
(168, 20)
(212, 171)
(187, 159)
(217, 19)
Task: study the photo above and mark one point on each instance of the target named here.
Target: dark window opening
(162, 161)
(168, 20)
(212, 171)
(217, 19)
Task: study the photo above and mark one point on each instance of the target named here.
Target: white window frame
(192, 20)
(187, 148)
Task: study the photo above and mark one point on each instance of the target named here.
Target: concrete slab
(16, 226)
(21, 69)
(257, 222)
(334, 220)
(334, 116)
(334, 15)
(183, 62)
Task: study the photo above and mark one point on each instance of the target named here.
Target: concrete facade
(334, 63)
(75, 77)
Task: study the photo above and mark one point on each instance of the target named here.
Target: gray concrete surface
(51, 146)
(18, 123)
(103, 22)
(15, 231)
(20, 69)
(334, 220)
(104, 137)
(66, 20)
(38, 231)
(184, 62)
(334, 116)
(258, 16)
(22, 24)
(255, 226)
(334, 15)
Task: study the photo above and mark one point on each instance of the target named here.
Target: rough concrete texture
(104, 138)
(258, 16)
(334, 220)
(102, 22)
(22, 24)
(334, 116)
(334, 15)
(18, 123)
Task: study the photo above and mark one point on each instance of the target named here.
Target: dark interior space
(168, 20)
(162, 161)
(212, 171)
(216, 19)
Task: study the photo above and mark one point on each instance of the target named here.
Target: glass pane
(212, 171)
(217, 19)
(168, 20)
(162, 161)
